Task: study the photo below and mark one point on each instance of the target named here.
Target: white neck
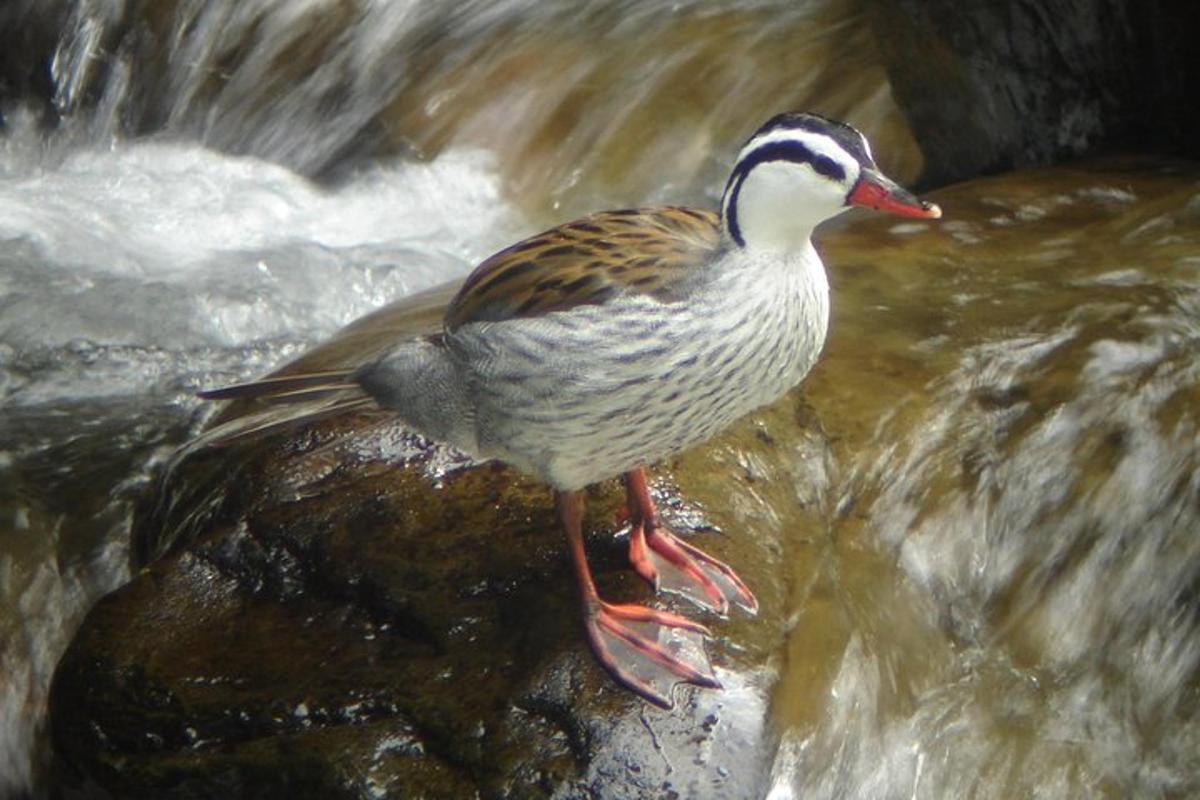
(775, 211)
(775, 204)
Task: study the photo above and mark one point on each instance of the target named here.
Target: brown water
(1004, 605)
(1002, 601)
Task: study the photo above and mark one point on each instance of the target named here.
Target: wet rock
(27, 37)
(990, 86)
(349, 611)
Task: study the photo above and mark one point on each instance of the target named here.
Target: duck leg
(671, 564)
(645, 650)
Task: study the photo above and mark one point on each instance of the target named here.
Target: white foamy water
(129, 277)
(177, 247)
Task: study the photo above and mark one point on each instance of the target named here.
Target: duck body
(597, 347)
(576, 395)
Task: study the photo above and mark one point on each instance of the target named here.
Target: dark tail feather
(312, 393)
(288, 401)
(285, 387)
(267, 422)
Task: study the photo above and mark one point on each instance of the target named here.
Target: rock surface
(992, 86)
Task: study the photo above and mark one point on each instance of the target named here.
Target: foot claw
(672, 565)
(649, 651)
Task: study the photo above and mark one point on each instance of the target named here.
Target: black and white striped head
(799, 170)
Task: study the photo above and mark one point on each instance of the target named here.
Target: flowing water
(1007, 585)
(1006, 606)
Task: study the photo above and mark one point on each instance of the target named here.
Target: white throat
(777, 205)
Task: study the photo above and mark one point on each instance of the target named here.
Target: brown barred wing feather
(588, 262)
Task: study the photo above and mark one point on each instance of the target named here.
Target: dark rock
(992, 86)
(28, 34)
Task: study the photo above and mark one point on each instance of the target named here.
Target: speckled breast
(579, 396)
